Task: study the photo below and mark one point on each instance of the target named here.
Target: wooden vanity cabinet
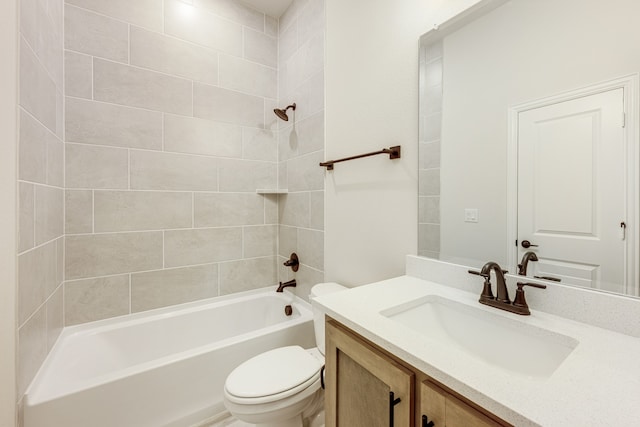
(368, 387)
(444, 409)
(364, 388)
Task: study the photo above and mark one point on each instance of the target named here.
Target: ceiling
(273, 8)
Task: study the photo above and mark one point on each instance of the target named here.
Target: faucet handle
(486, 290)
(520, 302)
(478, 273)
(534, 285)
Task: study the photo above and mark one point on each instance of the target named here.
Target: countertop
(598, 384)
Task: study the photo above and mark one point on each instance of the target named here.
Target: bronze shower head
(282, 113)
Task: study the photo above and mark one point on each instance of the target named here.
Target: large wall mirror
(529, 140)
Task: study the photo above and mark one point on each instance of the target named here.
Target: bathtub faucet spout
(286, 284)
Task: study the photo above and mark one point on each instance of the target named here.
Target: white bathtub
(165, 367)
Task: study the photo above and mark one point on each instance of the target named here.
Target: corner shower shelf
(272, 191)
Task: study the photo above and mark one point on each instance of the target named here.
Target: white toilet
(281, 387)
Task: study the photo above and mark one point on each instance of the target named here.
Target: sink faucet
(501, 287)
(522, 267)
(502, 301)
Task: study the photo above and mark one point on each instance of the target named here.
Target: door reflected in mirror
(528, 133)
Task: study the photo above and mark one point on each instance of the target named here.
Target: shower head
(282, 113)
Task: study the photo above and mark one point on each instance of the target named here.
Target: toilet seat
(272, 376)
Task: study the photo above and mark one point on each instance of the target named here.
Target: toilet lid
(272, 372)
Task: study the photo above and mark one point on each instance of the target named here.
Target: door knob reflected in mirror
(527, 244)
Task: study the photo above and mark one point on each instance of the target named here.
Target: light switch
(471, 215)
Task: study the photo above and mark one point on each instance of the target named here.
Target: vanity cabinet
(368, 387)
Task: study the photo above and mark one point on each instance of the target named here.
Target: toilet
(281, 387)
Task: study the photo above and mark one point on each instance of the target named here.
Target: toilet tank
(318, 314)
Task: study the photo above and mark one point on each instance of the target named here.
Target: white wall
(371, 94)
(8, 143)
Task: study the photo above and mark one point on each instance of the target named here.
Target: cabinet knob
(426, 422)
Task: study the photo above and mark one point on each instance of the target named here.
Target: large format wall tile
(95, 299)
(202, 246)
(104, 254)
(96, 167)
(41, 26)
(260, 48)
(157, 145)
(246, 274)
(310, 133)
(260, 241)
(301, 140)
(78, 211)
(32, 149)
(55, 162)
(40, 181)
(304, 174)
(32, 348)
(202, 27)
(214, 103)
(37, 89)
(173, 286)
(246, 175)
(26, 216)
(248, 77)
(198, 136)
(259, 144)
(145, 13)
(78, 75)
(55, 316)
(91, 122)
(96, 35)
(141, 210)
(316, 218)
(136, 87)
(227, 209)
(166, 171)
(173, 56)
(49, 209)
(311, 243)
(234, 11)
(37, 278)
(294, 209)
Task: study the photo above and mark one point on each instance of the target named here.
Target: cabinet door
(445, 410)
(364, 388)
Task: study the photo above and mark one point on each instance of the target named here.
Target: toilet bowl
(281, 387)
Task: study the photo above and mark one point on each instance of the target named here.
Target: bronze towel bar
(393, 152)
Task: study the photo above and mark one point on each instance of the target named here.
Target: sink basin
(506, 343)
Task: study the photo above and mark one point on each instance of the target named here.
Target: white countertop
(598, 384)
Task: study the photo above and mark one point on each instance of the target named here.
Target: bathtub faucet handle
(293, 262)
(291, 282)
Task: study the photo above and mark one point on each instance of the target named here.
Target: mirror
(486, 81)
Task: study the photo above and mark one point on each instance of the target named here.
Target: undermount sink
(507, 343)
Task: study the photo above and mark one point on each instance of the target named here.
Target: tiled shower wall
(40, 185)
(301, 141)
(169, 132)
(430, 140)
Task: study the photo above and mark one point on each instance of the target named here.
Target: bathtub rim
(32, 397)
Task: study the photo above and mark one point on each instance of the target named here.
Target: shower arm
(393, 152)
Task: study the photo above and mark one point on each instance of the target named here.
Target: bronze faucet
(522, 267)
(487, 295)
(291, 282)
(502, 300)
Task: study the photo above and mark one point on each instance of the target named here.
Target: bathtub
(164, 367)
